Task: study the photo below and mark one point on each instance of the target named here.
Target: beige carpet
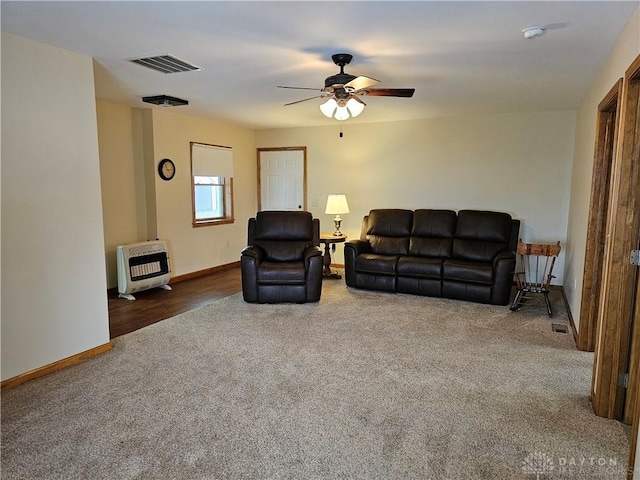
(362, 385)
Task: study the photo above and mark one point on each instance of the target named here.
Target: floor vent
(559, 328)
(166, 64)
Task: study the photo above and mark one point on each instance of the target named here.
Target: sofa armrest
(356, 247)
(314, 262)
(253, 252)
(250, 258)
(504, 255)
(504, 265)
(352, 249)
(312, 252)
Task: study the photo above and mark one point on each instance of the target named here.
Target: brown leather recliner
(283, 261)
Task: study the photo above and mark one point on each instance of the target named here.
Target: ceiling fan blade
(303, 100)
(388, 92)
(300, 88)
(357, 98)
(361, 82)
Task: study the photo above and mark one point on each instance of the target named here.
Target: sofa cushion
(284, 236)
(388, 231)
(480, 235)
(283, 251)
(374, 263)
(430, 247)
(466, 271)
(277, 225)
(432, 233)
(482, 225)
(434, 223)
(280, 273)
(420, 267)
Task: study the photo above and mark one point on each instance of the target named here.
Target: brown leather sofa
(469, 255)
(283, 261)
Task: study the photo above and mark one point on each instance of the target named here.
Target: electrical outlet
(314, 202)
(226, 243)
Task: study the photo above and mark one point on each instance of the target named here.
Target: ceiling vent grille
(165, 101)
(166, 64)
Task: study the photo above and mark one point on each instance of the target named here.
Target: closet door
(282, 178)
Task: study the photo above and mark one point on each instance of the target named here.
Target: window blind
(211, 161)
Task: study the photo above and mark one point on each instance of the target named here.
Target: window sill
(208, 223)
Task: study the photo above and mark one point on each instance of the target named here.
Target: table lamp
(337, 205)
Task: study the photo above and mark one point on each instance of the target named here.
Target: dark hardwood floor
(154, 305)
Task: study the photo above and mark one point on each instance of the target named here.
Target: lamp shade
(328, 107)
(341, 113)
(337, 204)
(355, 106)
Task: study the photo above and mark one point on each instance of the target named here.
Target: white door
(282, 181)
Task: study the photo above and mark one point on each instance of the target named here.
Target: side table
(330, 240)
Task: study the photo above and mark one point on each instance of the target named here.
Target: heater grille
(166, 64)
(142, 266)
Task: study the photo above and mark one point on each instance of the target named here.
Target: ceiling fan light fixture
(355, 107)
(329, 107)
(341, 113)
(342, 91)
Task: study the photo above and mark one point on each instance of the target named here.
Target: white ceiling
(463, 58)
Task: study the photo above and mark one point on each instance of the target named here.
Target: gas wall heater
(142, 266)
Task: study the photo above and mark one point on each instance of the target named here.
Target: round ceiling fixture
(533, 31)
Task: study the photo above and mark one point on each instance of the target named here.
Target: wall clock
(166, 169)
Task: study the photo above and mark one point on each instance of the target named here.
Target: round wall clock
(166, 169)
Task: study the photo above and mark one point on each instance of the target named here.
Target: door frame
(613, 342)
(304, 171)
(603, 168)
(634, 395)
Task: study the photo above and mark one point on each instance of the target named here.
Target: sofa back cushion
(480, 235)
(283, 235)
(432, 233)
(388, 231)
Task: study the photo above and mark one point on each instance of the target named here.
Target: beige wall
(625, 51)
(139, 206)
(122, 179)
(203, 247)
(54, 302)
(516, 163)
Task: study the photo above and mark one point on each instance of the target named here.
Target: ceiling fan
(343, 91)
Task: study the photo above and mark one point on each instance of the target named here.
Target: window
(212, 181)
(209, 193)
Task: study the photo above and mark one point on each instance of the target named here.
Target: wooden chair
(536, 263)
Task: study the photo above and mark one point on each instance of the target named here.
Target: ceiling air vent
(166, 64)
(165, 101)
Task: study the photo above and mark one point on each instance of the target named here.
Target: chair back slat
(536, 271)
(537, 261)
